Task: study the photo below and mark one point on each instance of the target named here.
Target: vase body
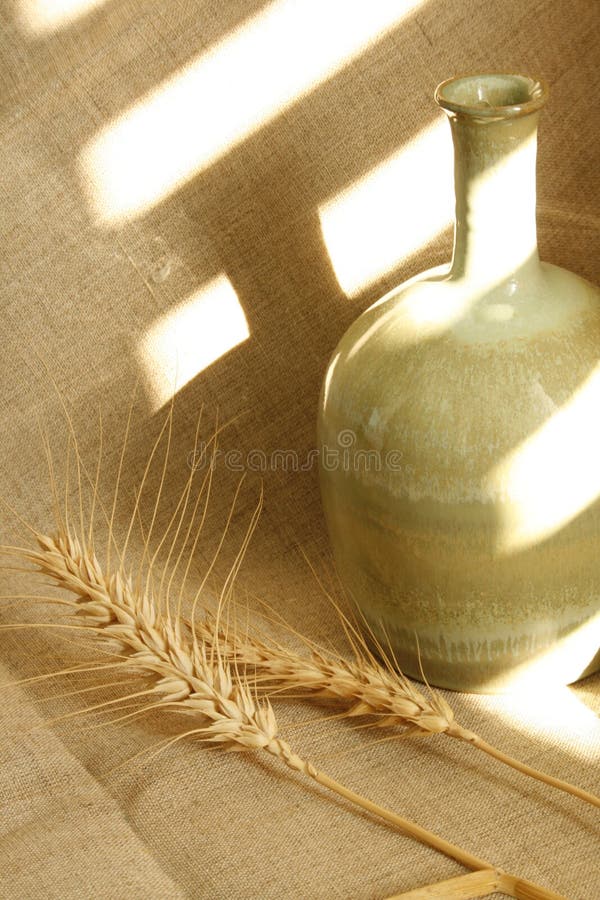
(459, 430)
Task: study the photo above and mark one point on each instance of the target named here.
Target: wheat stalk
(194, 677)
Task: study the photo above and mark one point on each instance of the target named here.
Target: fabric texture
(168, 174)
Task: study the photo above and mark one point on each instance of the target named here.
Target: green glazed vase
(459, 433)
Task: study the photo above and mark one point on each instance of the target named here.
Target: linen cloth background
(80, 292)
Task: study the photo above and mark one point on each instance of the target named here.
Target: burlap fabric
(308, 111)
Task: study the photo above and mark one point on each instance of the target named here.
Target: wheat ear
(195, 678)
(367, 688)
(364, 687)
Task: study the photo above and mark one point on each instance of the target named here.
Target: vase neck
(494, 122)
(495, 230)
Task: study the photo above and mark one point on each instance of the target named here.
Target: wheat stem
(470, 737)
(406, 825)
(479, 884)
(464, 887)
(525, 890)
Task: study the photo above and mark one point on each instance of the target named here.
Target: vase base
(559, 665)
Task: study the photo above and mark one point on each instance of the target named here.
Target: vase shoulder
(429, 350)
(435, 305)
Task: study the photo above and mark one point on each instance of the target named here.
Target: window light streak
(552, 476)
(392, 212)
(570, 655)
(556, 715)
(225, 95)
(44, 17)
(190, 337)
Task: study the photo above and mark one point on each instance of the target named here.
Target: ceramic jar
(459, 429)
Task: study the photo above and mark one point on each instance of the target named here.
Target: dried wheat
(194, 677)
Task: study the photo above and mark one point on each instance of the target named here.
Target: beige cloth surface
(87, 276)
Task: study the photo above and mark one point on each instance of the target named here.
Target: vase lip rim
(511, 95)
